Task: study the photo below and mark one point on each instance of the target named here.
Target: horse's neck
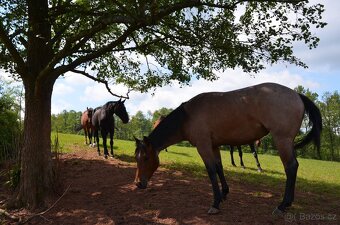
(162, 142)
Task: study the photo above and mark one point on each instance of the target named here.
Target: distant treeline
(141, 125)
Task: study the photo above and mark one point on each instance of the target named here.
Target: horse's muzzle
(142, 184)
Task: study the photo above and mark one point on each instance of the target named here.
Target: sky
(76, 92)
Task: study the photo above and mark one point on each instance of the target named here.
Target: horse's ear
(123, 101)
(87, 108)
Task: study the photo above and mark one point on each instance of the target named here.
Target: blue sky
(75, 92)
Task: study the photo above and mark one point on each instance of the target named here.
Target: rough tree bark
(36, 171)
(36, 168)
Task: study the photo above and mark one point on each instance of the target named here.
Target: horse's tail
(315, 119)
(77, 128)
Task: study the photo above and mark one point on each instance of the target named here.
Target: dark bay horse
(210, 120)
(253, 151)
(103, 120)
(86, 123)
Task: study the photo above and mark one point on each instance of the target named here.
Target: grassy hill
(320, 177)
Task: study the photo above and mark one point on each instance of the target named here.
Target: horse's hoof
(260, 170)
(243, 167)
(213, 211)
(105, 156)
(278, 212)
(112, 156)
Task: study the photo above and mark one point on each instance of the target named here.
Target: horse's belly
(241, 135)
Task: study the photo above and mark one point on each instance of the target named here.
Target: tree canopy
(185, 38)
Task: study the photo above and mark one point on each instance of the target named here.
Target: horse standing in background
(156, 123)
(252, 149)
(212, 119)
(104, 121)
(86, 123)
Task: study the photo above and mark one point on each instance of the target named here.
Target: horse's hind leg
(253, 150)
(232, 155)
(220, 173)
(85, 131)
(104, 136)
(240, 155)
(111, 142)
(288, 158)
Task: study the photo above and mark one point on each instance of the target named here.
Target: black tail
(315, 120)
(77, 128)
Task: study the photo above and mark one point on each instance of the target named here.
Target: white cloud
(97, 93)
(173, 96)
(326, 56)
(61, 89)
(59, 105)
(76, 79)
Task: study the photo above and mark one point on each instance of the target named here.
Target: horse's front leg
(90, 136)
(211, 169)
(209, 160)
(96, 136)
(85, 131)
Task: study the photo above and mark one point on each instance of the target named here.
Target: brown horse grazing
(252, 149)
(86, 123)
(210, 120)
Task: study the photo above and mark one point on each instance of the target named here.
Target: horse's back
(245, 115)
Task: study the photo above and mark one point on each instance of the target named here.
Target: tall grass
(313, 175)
(10, 160)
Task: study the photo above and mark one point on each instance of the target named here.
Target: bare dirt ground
(102, 192)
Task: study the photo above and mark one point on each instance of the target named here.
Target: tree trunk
(36, 167)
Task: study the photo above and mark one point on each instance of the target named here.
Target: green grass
(313, 175)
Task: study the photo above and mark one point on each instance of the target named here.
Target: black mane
(106, 105)
(168, 127)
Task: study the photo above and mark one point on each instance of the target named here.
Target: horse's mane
(106, 105)
(168, 127)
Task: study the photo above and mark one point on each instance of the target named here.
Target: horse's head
(147, 162)
(120, 111)
(89, 114)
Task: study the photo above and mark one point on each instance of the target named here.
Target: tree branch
(101, 81)
(43, 212)
(12, 50)
(96, 54)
